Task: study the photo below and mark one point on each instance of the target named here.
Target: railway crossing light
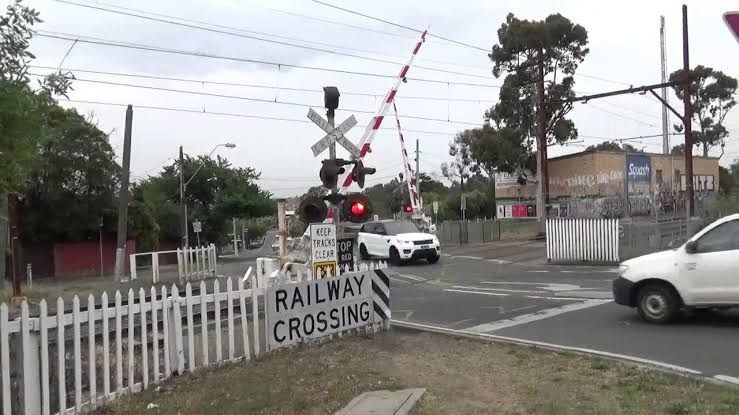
(312, 210)
(357, 208)
(330, 171)
(359, 172)
(408, 208)
(331, 99)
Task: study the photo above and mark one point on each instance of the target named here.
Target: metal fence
(199, 262)
(481, 231)
(69, 361)
(582, 240)
(644, 237)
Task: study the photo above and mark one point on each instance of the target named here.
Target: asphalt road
(560, 305)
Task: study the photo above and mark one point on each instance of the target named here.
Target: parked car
(701, 273)
(397, 241)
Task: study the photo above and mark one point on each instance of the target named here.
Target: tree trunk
(3, 237)
(705, 149)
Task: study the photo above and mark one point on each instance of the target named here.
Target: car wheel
(395, 257)
(363, 253)
(658, 303)
(433, 259)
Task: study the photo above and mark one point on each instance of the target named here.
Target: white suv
(397, 241)
(703, 273)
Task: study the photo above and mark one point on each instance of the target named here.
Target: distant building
(591, 184)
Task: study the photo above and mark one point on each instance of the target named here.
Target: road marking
(463, 287)
(411, 277)
(729, 379)
(538, 270)
(468, 257)
(551, 346)
(477, 292)
(399, 280)
(558, 298)
(499, 261)
(439, 283)
(456, 323)
(539, 315)
(543, 285)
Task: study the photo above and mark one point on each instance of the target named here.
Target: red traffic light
(408, 208)
(357, 208)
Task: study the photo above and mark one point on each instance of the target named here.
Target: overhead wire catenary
(157, 49)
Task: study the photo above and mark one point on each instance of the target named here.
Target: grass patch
(461, 376)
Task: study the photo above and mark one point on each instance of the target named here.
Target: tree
(73, 184)
(712, 95)
(562, 45)
(678, 150)
(461, 165)
(427, 184)
(218, 193)
(726, 181)
(614, 146)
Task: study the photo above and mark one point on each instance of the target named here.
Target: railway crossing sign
(333, 134)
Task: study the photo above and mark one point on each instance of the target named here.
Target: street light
(183, 187)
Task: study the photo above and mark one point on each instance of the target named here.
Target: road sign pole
(332, 156)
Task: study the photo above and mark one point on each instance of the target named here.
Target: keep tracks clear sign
(318, 308)
(323, 250)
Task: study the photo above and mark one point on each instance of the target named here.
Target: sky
(623, 41)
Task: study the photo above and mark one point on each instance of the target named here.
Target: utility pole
(687, 118)
(541, 132)
(236, 244)
(418, 169)
(332, 155)
(120, 251)
(665, 120)
(183, 207)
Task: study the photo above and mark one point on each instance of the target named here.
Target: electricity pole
(687, 118)
(183, 207)
(665, 120)
(120, 251)
(541, 133)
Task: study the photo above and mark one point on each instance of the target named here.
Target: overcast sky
(623, 40)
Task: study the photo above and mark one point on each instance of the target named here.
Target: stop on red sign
(732, 20)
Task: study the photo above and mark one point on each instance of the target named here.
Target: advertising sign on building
(318, 308)
(639, 173)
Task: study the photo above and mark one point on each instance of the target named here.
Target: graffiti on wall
(587, 180)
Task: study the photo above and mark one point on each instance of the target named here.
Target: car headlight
(622, 269)
(404, 242)
(436, 241)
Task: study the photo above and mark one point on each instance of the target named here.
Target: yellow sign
(324, 270)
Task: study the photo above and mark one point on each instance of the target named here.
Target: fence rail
(582, 240)
(67, 362)
(199, 262)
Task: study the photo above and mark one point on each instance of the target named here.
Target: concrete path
(383, 403)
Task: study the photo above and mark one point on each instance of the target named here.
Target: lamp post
(183, 187)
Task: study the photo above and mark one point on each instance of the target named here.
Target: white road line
(499, 261)
(538, 270)
(411, 277)
(539, 315)
(464, 287)
(399, 280)
(729, 379)
(468, 257)
(557, 298)
(550, 346)
(477, 292)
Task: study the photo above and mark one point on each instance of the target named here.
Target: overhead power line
(230, 114)
(266, 101)
(261, 39)
(456, 42)
(245, 85)
(130, 45)
(279, 36)
(616, 114)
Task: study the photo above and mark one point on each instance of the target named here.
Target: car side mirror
(691, 247)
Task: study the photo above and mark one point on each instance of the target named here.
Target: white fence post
(29, 350)
(215, 259)
(204, 321)
(132, 264)
(190, 328)
(92, 381)
(144, 342)
(154, 267)
(61, 369)
(5, 359)
(154, 335)
(176, 329)
(44, 329)
(582, 240)
(197, 262)
(180, 263)
(106, 346)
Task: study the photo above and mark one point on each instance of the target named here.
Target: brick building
(591, 184)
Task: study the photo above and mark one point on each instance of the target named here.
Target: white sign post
(197, 227)
(333, 134)
(313, 309)
(323, 250)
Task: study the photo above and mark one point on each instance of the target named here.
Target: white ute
(702, 273)
(397, 241)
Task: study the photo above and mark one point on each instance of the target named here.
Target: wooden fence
(63, 361)
(582, 240)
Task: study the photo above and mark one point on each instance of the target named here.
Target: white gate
(582, 240)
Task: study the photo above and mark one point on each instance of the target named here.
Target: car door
(372, 238)
(379, 244)
(711, 270)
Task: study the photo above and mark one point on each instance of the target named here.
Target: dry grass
(461, 377)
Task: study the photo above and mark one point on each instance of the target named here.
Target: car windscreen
(395, 228)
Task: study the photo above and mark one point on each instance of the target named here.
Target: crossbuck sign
(333, 134)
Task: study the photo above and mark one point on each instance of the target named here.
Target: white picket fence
(66, 362)
(582, 240)
(192, 263)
